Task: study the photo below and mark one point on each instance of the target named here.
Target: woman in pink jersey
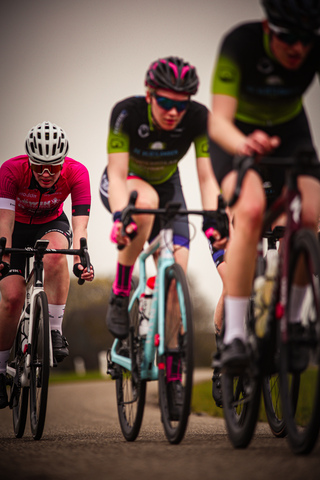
(33, 188)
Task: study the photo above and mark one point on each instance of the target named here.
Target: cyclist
(148, 136)
(33, 188)
(262, 71)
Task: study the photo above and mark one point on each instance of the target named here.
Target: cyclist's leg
(12, 290)
(56, 280)
(117, 315)
(241, 254)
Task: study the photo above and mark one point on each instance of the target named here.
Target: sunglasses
(40, 169)
(168, 104)
(290, 37)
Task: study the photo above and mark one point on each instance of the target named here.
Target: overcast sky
(70, 61)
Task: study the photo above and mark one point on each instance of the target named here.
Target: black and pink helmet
(172, 73)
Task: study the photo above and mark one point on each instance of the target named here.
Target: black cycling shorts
(25, 235)
(169, 191)
(295, 135)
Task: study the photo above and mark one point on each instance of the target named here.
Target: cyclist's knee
(12, 301)
(148, 199)
(250, 215)
(55, 264)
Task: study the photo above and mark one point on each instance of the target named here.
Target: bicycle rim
(18, 395)
(273, 407)
(130, 390)
(175, 403)
(300, 354)
(39, 365)
(241, 401)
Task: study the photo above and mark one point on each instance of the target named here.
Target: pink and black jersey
(33, 204)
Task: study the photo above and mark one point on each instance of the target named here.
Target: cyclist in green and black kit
(262, 71)
(148, 136)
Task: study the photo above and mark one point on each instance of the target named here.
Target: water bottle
(263, 286)
(145, 307)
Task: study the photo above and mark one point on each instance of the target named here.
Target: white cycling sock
(297, 296)
(235, 309)
(56, 313)
(4, 357)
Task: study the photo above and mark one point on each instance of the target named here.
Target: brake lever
(84, 257)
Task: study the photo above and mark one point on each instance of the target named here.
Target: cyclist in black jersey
(148, 136)
(262, 71)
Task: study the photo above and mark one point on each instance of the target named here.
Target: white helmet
(46, 143)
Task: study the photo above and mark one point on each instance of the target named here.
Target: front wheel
(300, 348)
(241, 401)
(272, 403)
(176, 365)
(130, 389)
(39, 365)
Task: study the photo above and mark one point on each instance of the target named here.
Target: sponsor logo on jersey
(226, 75)
(265, 66)
(143, 131)
(157, 146)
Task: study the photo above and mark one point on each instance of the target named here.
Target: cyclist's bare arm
(79, 228)
(223, 131)
(118, 191)
(210, 190)
(6, 228)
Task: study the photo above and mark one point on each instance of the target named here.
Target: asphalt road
(82, 440)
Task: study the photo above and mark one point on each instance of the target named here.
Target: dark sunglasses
(291, 37)
(40, 169)
(168, 104)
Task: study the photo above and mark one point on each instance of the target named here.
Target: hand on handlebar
(124, 229)
(216, 228)
(82, 273)
(258, 143)
(4, 269)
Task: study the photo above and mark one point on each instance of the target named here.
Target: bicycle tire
(272, 404)
(241, 394)
(177, 307)
(130, 389)
(241, 402)
(302, 419)
(18, 395)
(39, 365)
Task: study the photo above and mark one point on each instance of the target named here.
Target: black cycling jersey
(269, 95)
(267, 92)
(154, 153)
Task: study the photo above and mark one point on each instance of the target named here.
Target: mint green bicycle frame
(156, 331)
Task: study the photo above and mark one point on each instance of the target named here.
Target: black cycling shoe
(298, 358)
(175, 399)
(234, 357)
(118, 316)
(3, 391)
(59, 346)
(216, 387)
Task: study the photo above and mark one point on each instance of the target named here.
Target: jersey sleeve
(226, 75)
(199, 124)
(8, 184)
(80, 189)
(118, 137)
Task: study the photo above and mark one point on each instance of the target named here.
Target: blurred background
(69, 62)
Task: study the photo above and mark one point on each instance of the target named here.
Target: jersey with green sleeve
(267, 93)
(154, 153)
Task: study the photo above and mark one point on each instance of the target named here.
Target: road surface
(82, 440)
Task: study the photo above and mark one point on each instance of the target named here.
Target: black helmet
(301, 14)
(172, 73)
